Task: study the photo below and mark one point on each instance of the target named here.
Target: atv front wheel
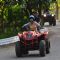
(50, 23)
(54, 23)
(18, 49)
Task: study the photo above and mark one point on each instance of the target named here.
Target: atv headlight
(52, 14)
(44, 15)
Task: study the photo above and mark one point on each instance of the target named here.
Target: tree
(15, 13)
(37, 5)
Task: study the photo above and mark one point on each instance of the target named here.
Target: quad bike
(48, 18)
(32, 40)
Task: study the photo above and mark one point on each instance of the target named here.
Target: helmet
(31, 17)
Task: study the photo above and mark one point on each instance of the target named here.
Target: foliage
(15, 13)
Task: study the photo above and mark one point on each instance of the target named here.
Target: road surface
(8, 52)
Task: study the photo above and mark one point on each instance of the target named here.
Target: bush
(12, 19)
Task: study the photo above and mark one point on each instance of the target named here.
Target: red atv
(31, 40)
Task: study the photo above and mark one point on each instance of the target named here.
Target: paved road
(8, 52)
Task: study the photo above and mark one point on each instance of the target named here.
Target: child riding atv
(32, 24)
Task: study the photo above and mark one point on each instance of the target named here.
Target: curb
(9, 41)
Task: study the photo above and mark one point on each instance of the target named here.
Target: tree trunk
(56, 9)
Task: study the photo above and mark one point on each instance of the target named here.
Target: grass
(7, 35)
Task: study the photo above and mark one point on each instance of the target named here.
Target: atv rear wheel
(47, 47)
(42, 48)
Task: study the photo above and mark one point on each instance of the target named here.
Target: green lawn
(7, 35)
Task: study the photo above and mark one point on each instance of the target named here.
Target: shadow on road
(32, 55)
(28, 56)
